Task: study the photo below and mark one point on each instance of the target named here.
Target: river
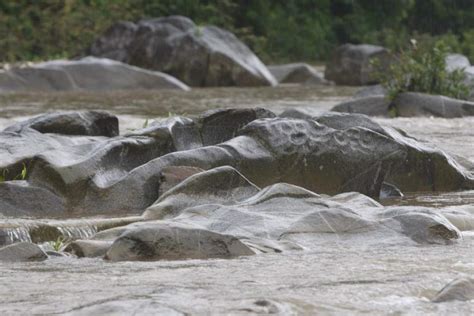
(339, 275)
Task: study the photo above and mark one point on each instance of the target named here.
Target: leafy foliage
(276, 30)
(422, 68)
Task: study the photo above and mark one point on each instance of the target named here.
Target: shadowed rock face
(351, 64)
(333, 153)
(199, 56)
(90, 73)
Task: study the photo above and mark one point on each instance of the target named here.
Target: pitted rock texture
(333, 153)
(199, 56)
(87, 74)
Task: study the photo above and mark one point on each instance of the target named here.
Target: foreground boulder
(331, 153)
(97, 74)
(297, 73)
(352, 64)
(23, 251)
(199, 56)
(169, 241)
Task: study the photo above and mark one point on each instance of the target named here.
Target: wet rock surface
(330, 153)
(199, 56)
(87, 74)
(338, 254)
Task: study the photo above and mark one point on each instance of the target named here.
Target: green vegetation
(21, 176)
(422, 68)
(58, 244)
(277, 30)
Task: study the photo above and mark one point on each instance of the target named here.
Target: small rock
(457, 290)
(23, 251)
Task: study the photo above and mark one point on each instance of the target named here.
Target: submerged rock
(170, 241)
(461, 289)
(90, 73)
(297, 73)
(352, 64)
(199, 56)
(23, 251)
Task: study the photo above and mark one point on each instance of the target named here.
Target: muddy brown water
(338, 276)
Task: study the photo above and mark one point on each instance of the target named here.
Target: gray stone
(23, 251)
(374, 106)
(352, 64)
(461, 289)
(87, 123)
(199, 56)
(412, 104)
(90, 73)
(297, 73)
(172, 241)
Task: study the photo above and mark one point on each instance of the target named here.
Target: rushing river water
(339, 275)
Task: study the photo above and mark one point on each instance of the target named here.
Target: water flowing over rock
(297, 73)
(457, 290)
(53, 174)
(89, 74)
(352, 64)
(199, 56)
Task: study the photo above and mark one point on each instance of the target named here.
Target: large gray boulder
(332, 153)
(297, 73)
(412, 104)
(90, 73)
(352, 64)
(199, 56)
(281, 211)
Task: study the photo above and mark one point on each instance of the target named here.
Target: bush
(422, 68)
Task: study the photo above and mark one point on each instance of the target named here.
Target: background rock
(351, 64)
(91, 74)
(199, 56)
